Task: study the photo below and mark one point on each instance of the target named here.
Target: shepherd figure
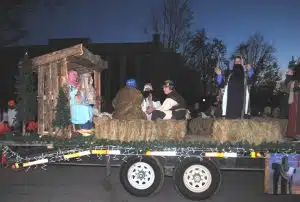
(236, 95)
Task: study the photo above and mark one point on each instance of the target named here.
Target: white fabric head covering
(148, 87)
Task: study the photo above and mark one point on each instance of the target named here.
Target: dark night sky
(124, 21)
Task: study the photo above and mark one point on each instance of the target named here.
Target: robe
(293, 128)
(81, 113)
(150, 101)
(236, 95)
(128, 105)
(11, 116)
(174, 107)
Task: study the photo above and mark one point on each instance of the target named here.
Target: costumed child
(149, 100)
(12, 114)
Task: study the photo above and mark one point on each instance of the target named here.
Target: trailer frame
(167, 163)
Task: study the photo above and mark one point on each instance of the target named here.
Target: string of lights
(10, 154)
(77, 147)
(118, 152)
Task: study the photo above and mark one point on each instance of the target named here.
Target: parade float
(147, 151)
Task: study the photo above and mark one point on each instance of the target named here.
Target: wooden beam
(81, 61)
(86, 54)
(76, 50)
(104, 64)
(55, 84)
(101, 65)
(79, 68)
(46, 96)
(41, 84)
(49, 101)
(90, 67)
(63, 73)
(267, 174)
(109, 78)
(97, 82)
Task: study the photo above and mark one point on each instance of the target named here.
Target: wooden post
(46, 96)
(52, 71)
(63, 72)
(122, 71)
(55, 90)
(55, 85)
(50, 99)
(109, 78)
(97, 82)
(41, 84)
(64, 83)
(267, 174)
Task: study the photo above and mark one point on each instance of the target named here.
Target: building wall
(146, 62)
(154, 68)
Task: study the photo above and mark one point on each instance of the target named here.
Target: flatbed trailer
(195, 170)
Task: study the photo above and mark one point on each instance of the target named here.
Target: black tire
(158, 179)
(181, 187)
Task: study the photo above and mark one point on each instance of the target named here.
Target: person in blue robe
(81, 113)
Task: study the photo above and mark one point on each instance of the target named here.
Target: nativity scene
(75, 72)
(69, 101)
(69, 93)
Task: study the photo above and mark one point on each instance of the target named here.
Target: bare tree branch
(173, 21)
(261, 55)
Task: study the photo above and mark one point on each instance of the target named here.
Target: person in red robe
(293, 87)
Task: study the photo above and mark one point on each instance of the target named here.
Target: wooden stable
(52, 70)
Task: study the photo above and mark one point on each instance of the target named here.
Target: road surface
(88, 184)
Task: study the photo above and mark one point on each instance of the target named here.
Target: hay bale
(139, 130)
(283, 125)
(200, 126)
(255, 131)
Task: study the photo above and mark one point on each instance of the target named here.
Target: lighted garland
(86, 142)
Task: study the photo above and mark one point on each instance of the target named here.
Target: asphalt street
(88, 184)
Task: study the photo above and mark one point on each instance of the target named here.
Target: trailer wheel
(142, 177)
(197, 179)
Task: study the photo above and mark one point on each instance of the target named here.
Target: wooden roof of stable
(77, 54)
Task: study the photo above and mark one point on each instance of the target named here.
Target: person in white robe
(174, 106)
(149, 100)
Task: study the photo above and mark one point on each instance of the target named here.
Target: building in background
(146, 62)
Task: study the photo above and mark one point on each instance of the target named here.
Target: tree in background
(62, 113)
(12, 16)
(261, 55)
(26, 93)
(269, 76)
(292, 63)
(203, 54)
(172, 21)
